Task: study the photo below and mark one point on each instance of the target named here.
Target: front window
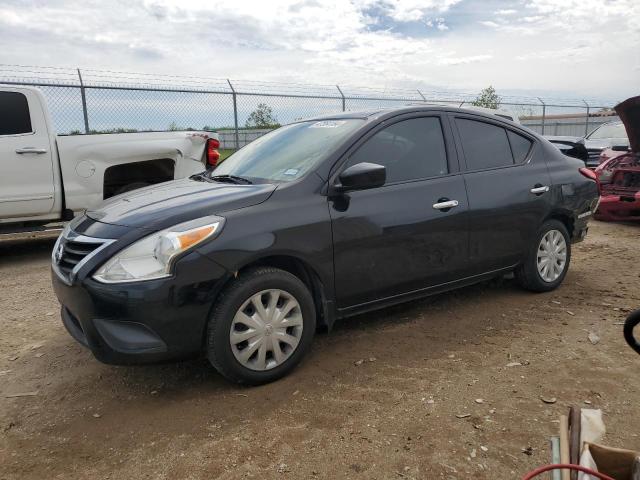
(615, 130)
(289, 152)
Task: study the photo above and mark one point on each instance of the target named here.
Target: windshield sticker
(328, 124)
(291, 171)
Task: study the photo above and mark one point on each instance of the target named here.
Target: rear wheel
(547, 261)
(261, 326)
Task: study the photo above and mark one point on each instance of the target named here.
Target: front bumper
(142, 322)
(619, 208)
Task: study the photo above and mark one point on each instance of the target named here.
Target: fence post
(84, 103)
(235, 113)
(544, 113)
(420, 93)
(586, 123)
(344, 105)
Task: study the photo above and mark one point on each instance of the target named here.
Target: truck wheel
(261, 326)
(131, 186)
(547, 261)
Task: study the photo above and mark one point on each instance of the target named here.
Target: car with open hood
(605, 138)
(316, 221)
(620, 175)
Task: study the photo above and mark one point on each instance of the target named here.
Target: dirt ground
(378, 398)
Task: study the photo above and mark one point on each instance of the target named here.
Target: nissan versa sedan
(315, 221)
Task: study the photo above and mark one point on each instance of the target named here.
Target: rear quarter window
(14, 114)
(520, 146)
(485, 145)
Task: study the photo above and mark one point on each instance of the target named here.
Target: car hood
(166, 204)
(629, 113)
(602, 143)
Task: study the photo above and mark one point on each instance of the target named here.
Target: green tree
(262, 117)
(488, 98)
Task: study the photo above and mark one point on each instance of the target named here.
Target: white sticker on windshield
(291, 171)
(328, 124)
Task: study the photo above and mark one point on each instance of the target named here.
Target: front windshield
(288, 152)
(615, 130)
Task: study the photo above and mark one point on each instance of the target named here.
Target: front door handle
(444, 204)
(31, 150)
(539, 189)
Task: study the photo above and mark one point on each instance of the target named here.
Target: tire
(235, 305)
(632, 321)
(131, 186)
(528, 274)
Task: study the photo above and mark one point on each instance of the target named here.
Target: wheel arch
(565, 218)
(325, 316)
(148, 171)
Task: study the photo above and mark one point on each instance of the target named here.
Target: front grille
(73, 250)
(73, 253)
(594, 155)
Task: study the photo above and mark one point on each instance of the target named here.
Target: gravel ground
(379, 397)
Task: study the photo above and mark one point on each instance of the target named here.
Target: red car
(619, 176)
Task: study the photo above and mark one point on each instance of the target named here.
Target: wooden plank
(575, 446)
(564, 445)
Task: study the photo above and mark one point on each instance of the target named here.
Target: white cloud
(528, 44)
(415, 10)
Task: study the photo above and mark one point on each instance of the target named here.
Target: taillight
(213, 155)
(590, 174)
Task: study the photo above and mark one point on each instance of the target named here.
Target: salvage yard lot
(446, 387)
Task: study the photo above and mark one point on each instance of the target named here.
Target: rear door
(508, 189)
(401, 237)
(26, 161)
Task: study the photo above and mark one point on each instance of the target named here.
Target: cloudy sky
(568, 48)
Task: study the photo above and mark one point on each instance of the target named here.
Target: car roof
(378, 113)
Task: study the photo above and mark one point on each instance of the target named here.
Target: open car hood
(629, 113)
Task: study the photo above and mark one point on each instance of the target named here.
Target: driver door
(396, 239)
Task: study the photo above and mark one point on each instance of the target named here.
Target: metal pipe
(544, 113)
(344, 103)
(84, 103)
(235, 113)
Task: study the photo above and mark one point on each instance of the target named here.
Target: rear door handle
(31, 150)
(539, 189)
(445, 204)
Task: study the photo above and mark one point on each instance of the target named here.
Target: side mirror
(361, 177)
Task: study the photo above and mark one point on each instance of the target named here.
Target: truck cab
(48, 178)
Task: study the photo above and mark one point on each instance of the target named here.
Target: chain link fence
(99, 101)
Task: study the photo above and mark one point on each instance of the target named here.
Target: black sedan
(316, 221)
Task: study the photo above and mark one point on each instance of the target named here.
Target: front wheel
(547, 260)
(261, 326)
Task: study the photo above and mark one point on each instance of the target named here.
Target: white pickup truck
(46, 178)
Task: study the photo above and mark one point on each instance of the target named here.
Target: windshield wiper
(231, 179)
(200, 177)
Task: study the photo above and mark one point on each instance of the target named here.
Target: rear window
(14, 114)
(519, 145)
(485, 145)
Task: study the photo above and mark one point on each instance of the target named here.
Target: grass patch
(224, 153)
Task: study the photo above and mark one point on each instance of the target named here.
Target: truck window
(14, 114)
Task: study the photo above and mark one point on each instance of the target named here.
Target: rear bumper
(619, 208)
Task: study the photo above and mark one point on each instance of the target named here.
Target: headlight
(151, 257)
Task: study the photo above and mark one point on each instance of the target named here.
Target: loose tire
(261, 326)
(547, 261)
